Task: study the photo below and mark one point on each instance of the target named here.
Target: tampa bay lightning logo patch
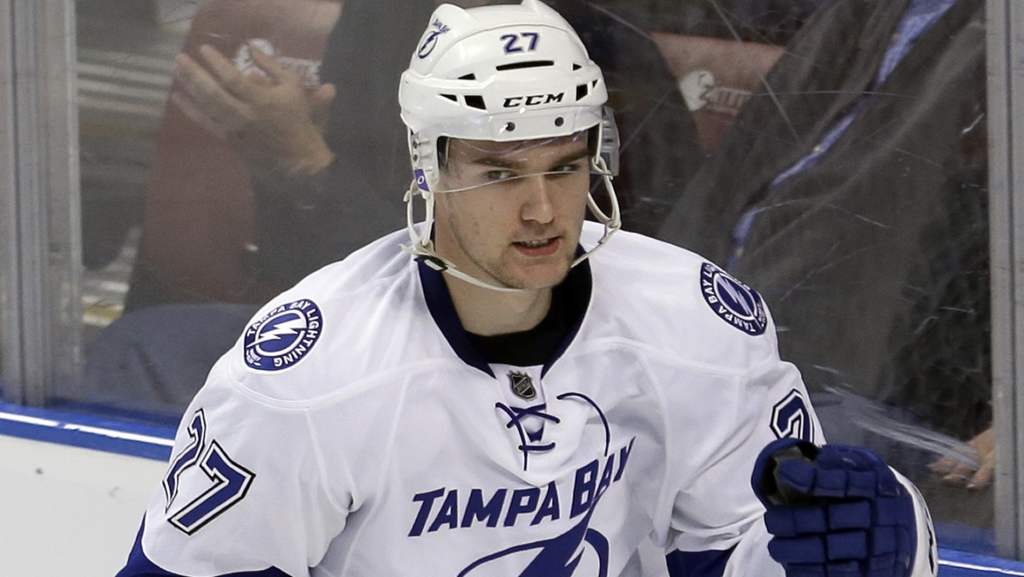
(737, 304)
(283, 336)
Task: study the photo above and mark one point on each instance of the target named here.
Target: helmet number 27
(514, 42)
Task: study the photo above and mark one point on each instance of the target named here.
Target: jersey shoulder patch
(733, 301)
(283, 336)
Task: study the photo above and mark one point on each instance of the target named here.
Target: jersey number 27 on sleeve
(229, 480)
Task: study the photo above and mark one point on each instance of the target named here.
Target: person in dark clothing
(853, 194)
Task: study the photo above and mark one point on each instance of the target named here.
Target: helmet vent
(454, 98)
(582, 91)
(475, 101)
(469, 76)
(530, 64)
(576, 67)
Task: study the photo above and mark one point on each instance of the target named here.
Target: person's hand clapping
(273, 122)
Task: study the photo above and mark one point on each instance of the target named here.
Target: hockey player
(509, 401)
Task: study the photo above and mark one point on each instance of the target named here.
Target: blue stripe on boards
(87, 431)
(954, 563)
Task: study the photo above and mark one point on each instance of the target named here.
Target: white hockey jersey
(353, 431)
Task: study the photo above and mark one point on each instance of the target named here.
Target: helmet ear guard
(501, 73)
(608, 141)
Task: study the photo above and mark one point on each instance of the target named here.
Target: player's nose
(537, 203)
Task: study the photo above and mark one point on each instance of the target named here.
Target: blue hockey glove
(834, 511)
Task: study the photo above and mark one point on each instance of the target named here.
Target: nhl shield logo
(522, 385)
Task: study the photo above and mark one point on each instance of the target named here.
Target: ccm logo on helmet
(534, 100)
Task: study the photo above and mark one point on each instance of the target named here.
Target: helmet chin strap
(422, 247)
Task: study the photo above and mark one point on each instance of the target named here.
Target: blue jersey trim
(87, 431)
(697, 563)
(139, 565)
(579, 284)
(441, 307)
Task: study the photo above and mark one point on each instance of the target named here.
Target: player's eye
(571, 168)
(499, 175)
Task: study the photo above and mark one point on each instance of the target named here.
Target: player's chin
(541, 275)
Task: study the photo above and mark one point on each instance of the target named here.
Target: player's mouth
(539, 247)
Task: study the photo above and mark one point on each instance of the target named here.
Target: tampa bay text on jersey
(448, 509)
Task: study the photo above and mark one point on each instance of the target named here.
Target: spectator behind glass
(199, 210)
(853, 194)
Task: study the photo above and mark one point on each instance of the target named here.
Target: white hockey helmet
(501, 73)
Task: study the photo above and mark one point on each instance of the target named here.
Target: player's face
(518, 221)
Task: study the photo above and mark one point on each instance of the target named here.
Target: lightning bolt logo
(283, 336)
(291, 327)
(430, 40)
(740, 300)
(558, 557)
